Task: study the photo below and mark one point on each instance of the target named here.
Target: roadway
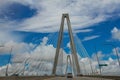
(51, 78)
(78, 78)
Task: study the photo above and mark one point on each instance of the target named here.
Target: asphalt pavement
(77, 78)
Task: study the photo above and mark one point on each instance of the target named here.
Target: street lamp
(8, 62)
(2, 46)
(117, 55)
(90, 65)
(98, 60)
(25, 65)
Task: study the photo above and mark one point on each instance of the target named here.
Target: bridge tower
(73, 49)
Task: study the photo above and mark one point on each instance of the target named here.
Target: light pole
(8, 62)
(90, 65)
(116, 51)
(25, 65)
(98, 60)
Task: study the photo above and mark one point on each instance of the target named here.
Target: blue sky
(94, 22)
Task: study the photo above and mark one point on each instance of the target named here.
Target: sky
(30, 28)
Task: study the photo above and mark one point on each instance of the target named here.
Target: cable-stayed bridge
(61, 63)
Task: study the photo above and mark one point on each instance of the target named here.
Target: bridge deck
(50, 78)
(78, 78)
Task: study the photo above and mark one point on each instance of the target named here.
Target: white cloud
(116, 51)
(68, 44)
(2, 70)
(82, 31)
(111, 69)
(40, 59)
(90, 37)
(44, 53)
(16, 47)
(82, 13)
(115, 33)
(6, 36)
(100, 54)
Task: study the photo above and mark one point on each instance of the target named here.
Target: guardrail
(101, 76)
(25, 77)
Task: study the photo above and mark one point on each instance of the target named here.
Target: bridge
(64, 66)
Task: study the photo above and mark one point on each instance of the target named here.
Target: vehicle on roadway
(15, 75)
(69, 75)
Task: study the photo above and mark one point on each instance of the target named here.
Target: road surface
(49, 78)
(79, 78)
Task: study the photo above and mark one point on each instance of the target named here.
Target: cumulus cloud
(68, 44)
(115, 33)
(16, 47)
(37, 62)
(40, 62)
(44, 55)
(90, 66)
(116, 51)
(99, 54)
(112, 67)
(49, 13)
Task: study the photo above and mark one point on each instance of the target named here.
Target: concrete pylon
(73, 50)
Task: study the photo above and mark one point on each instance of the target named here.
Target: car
(15, 75)
(80, 75)
(69, 75)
